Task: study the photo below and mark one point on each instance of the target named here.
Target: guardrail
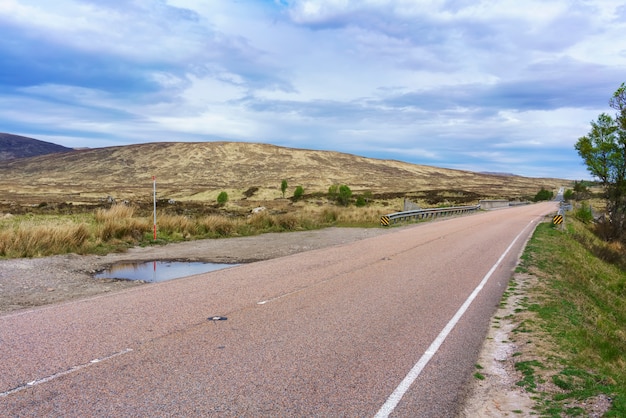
(386, 220)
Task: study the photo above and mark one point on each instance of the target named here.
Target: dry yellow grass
(32, 240)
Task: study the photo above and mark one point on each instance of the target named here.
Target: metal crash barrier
(419, 214)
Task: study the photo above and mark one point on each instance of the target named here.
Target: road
(386, 326)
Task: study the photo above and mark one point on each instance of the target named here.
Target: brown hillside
(199, 171)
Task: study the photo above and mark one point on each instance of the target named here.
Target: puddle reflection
(158, 271)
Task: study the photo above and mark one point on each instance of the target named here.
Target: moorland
(250, 173)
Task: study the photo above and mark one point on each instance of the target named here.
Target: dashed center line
(63, 373)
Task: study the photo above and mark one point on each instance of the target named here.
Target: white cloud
(454, 83)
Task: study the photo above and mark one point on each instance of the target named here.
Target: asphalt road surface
(386, 326)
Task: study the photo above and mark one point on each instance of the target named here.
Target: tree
(283, 187)
(581, 192)
(222, 198)
(344, 195)
(297, 194)
(604, 151)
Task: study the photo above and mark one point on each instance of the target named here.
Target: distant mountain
(15, 146)
(497, 173)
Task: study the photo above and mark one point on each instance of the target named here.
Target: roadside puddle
(158, 271)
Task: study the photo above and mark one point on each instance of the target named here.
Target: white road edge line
(393, 400)
(63, 373)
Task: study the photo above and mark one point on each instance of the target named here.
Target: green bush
(222, 198)
(333, 192)
(569, 194)
(543, 194)
(340, 194)
(344, 195)
(297, 194)
(584, 213)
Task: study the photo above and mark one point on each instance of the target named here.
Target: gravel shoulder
(33, 282)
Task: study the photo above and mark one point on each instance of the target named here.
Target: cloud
(490, 86)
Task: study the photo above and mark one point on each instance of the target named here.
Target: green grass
(527, 368)
(580, 305)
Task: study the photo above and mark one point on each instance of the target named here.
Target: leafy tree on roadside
(283, 187)
(604, 151)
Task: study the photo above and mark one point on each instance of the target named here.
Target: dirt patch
(496, 394)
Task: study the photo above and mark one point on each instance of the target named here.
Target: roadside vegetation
(120, 227)
(60, 228)
(572, 325)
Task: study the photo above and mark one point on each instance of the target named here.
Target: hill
(199, 171)
(15, 146)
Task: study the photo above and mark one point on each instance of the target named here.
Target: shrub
(543, 194)
(222, 198)
(297, 194)
(333, 192)
(584, 213)
(344, 195)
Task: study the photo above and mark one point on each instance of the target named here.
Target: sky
(480, 85)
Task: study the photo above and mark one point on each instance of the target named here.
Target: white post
(154, 200)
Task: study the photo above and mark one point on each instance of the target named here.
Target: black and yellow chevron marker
(557, 220)
(384, 220)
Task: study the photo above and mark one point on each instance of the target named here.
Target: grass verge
(574, 323)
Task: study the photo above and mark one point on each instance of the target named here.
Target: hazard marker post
(154, 204)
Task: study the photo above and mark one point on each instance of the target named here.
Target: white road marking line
(60, 374)
(263, 302)
(284, 295)
(393, 400)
